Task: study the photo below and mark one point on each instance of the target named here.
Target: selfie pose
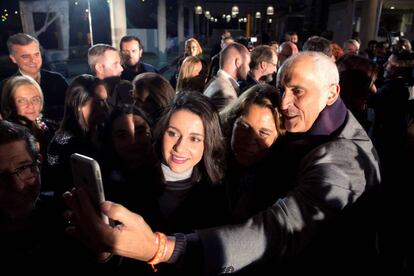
(324, 221)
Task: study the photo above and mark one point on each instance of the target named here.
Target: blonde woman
(190, 77)
(22, 103)
(191, 48)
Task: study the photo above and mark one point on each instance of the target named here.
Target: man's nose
(286, 100)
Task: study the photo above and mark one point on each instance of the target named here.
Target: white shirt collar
(23, 74)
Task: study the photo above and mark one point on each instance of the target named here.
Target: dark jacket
(54, 87)
(247, 83)
(43, 246)
(326, 220)
(130, 73)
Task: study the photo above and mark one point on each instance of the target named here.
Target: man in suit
(31, 224)
(263, 64)
(327, 172)
(234, 66)
(24, 51)
(131, 51)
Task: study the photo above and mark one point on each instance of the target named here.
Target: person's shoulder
(46, 74)
(352, 130)
(221, 76)
(149, 68)
(351, 144)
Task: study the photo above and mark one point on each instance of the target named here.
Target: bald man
(286, 50)
(234, 66)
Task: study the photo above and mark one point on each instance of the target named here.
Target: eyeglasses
(24, 101)
(24, 173)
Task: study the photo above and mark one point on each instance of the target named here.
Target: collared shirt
(39, 76)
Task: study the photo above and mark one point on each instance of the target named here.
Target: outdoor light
(258, 15)
(228, 18)
(211, 18)
(233, 14)
(207, 14)
(90, 21)
(198, 9)
(245, 20)
(224, 16)
(392, 7)
(270, 10)
(269, 20)
(235, 10)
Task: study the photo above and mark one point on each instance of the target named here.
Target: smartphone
(87, 175)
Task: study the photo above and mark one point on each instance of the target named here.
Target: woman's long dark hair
(79, 91)
(212, 162)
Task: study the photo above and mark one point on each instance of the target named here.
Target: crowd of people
(283, 158)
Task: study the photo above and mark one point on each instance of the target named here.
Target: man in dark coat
(324, 222)
(24, 51)
(131, 51)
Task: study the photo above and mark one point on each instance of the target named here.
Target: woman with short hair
(22, 103)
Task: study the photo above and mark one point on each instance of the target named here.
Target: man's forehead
(302, 66)
(130, 43)
(110, 54)
(31, 47)
(13, 153)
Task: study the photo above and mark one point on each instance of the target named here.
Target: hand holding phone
(87, 175)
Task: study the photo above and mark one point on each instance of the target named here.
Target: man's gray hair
(21, 39)
(353, 42)
(323, 67)
(97, 51)
(262, 53)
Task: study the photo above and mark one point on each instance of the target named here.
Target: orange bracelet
(162, 241)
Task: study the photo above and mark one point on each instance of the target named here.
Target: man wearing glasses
(131, 51)
(263, 65)
(30, 231)
(19, 176)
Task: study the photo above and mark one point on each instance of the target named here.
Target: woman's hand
(131, 238)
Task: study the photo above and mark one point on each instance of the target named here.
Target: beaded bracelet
(162, 241)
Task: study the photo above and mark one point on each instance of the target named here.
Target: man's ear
(333, 93)
(13, 59)
(98, 67)
(237, 62)
(263, 65)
